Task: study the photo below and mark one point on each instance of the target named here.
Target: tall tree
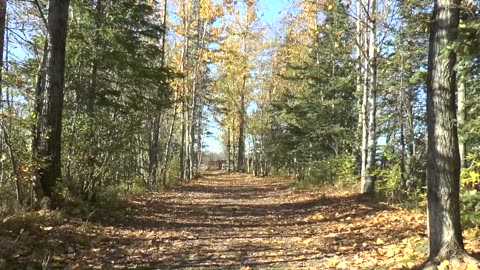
(154, 145)
(443, 160)
(362, 89)
(3, 13)
(369, 184)
(57, 30)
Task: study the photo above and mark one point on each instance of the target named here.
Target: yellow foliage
(206, 9)
(444, 265)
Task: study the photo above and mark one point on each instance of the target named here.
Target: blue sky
(271, 11)
(272, 8)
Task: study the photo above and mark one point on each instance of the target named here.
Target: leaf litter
(229, 221)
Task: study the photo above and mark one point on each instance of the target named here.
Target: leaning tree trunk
(57, 29)
(443, 160)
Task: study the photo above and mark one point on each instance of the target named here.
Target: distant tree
(238, 49)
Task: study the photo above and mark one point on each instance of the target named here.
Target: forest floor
(225, 222)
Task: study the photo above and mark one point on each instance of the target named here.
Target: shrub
(337, 171)
(470, 208)
(470, 195)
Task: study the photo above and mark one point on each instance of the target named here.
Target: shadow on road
(225, 222)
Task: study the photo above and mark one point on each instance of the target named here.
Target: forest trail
(237, 222)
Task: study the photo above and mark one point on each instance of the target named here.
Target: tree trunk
(15, 166)
(153, 166)
(192, 125)
(153, 151)
(360, 88)
(241, 128)
(183, 97)
(3, 18)
(229, 150)
(234, 149)
(39, 123)
(166, 159)
(410, 133)
(186, 155)
(57, 29)
(241, 137)
(364, 110)
(183, 137)
(364, 145)
(198, 156)
(92, 181)
(461, 115)
(403, 173)
(369, 185)
(443, 160)
(358, 52)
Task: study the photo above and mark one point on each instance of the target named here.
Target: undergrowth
(341, 174)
